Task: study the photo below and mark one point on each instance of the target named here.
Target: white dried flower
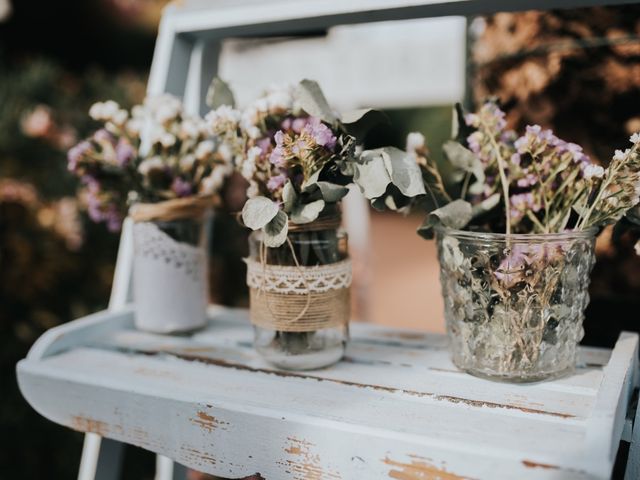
(619, 155)
(212, 183)
(225, 152)
(204, 149)
(189, 128)
(415, 142)
(163, 108)
(153, 163)
(223, 117)
(261, 105)
(104, 111)
(120, 117)
(134, 126)
(635, 138)
(279, 101)
(253, 190)
(167, 139)
(593, 171)
(249, 165)
(253, 132)
(186, 162)
(138, 111)
(166, 114)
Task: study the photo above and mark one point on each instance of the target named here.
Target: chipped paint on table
(395, 408)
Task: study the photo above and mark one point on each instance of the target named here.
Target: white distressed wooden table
(394, 408)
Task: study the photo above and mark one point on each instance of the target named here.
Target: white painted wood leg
(101, 458)
(166, 469)
(89, 459)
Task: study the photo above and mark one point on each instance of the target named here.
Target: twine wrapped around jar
(169, 210)
(297, 298)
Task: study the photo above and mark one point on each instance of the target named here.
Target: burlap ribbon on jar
(300, 298)
(175, 209)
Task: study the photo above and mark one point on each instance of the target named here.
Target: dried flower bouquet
(299, 157)
(516, 247)
(165, 169)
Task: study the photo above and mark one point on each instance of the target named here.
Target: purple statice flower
(264, 144)
(113, 219)
(277, 154)
(322, 134)
(523, 259)
(298, 124)
(524, 201)
(528, 180)
(576, 152)
(513, 267)
(471, 119)
(492, 115)
(286, 123)
(515, 159)
(94, 204)
(535, 139)
(277, 182)
(299, 146)
(181, 187)
(473, 141)
(75, 154)
(124, 152)
(104, 136)
(521, 144)
(508, 136)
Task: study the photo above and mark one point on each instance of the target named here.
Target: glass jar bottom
(520, 377)
(301, 350)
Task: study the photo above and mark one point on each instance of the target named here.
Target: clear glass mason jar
(170, 273)
(298, 327)
(514, 305)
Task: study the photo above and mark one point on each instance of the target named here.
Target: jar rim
(588, 234)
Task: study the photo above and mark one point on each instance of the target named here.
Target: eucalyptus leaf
(359, 122)
(311, 99)
(258, 212)
(456, 214)
(275, 232)
(312, 180)
(460, 130)
(289, 196)
(307, 212)
(331, 192)
(371, 174)
(390, 203)
(486, 205)
(464, 159)
(404, 171)
(219, 94)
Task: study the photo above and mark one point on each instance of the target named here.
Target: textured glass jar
(514, 305)
(170, 274)
(298, 324)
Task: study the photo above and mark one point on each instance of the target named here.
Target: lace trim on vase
(152, 243)
(298, 280)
